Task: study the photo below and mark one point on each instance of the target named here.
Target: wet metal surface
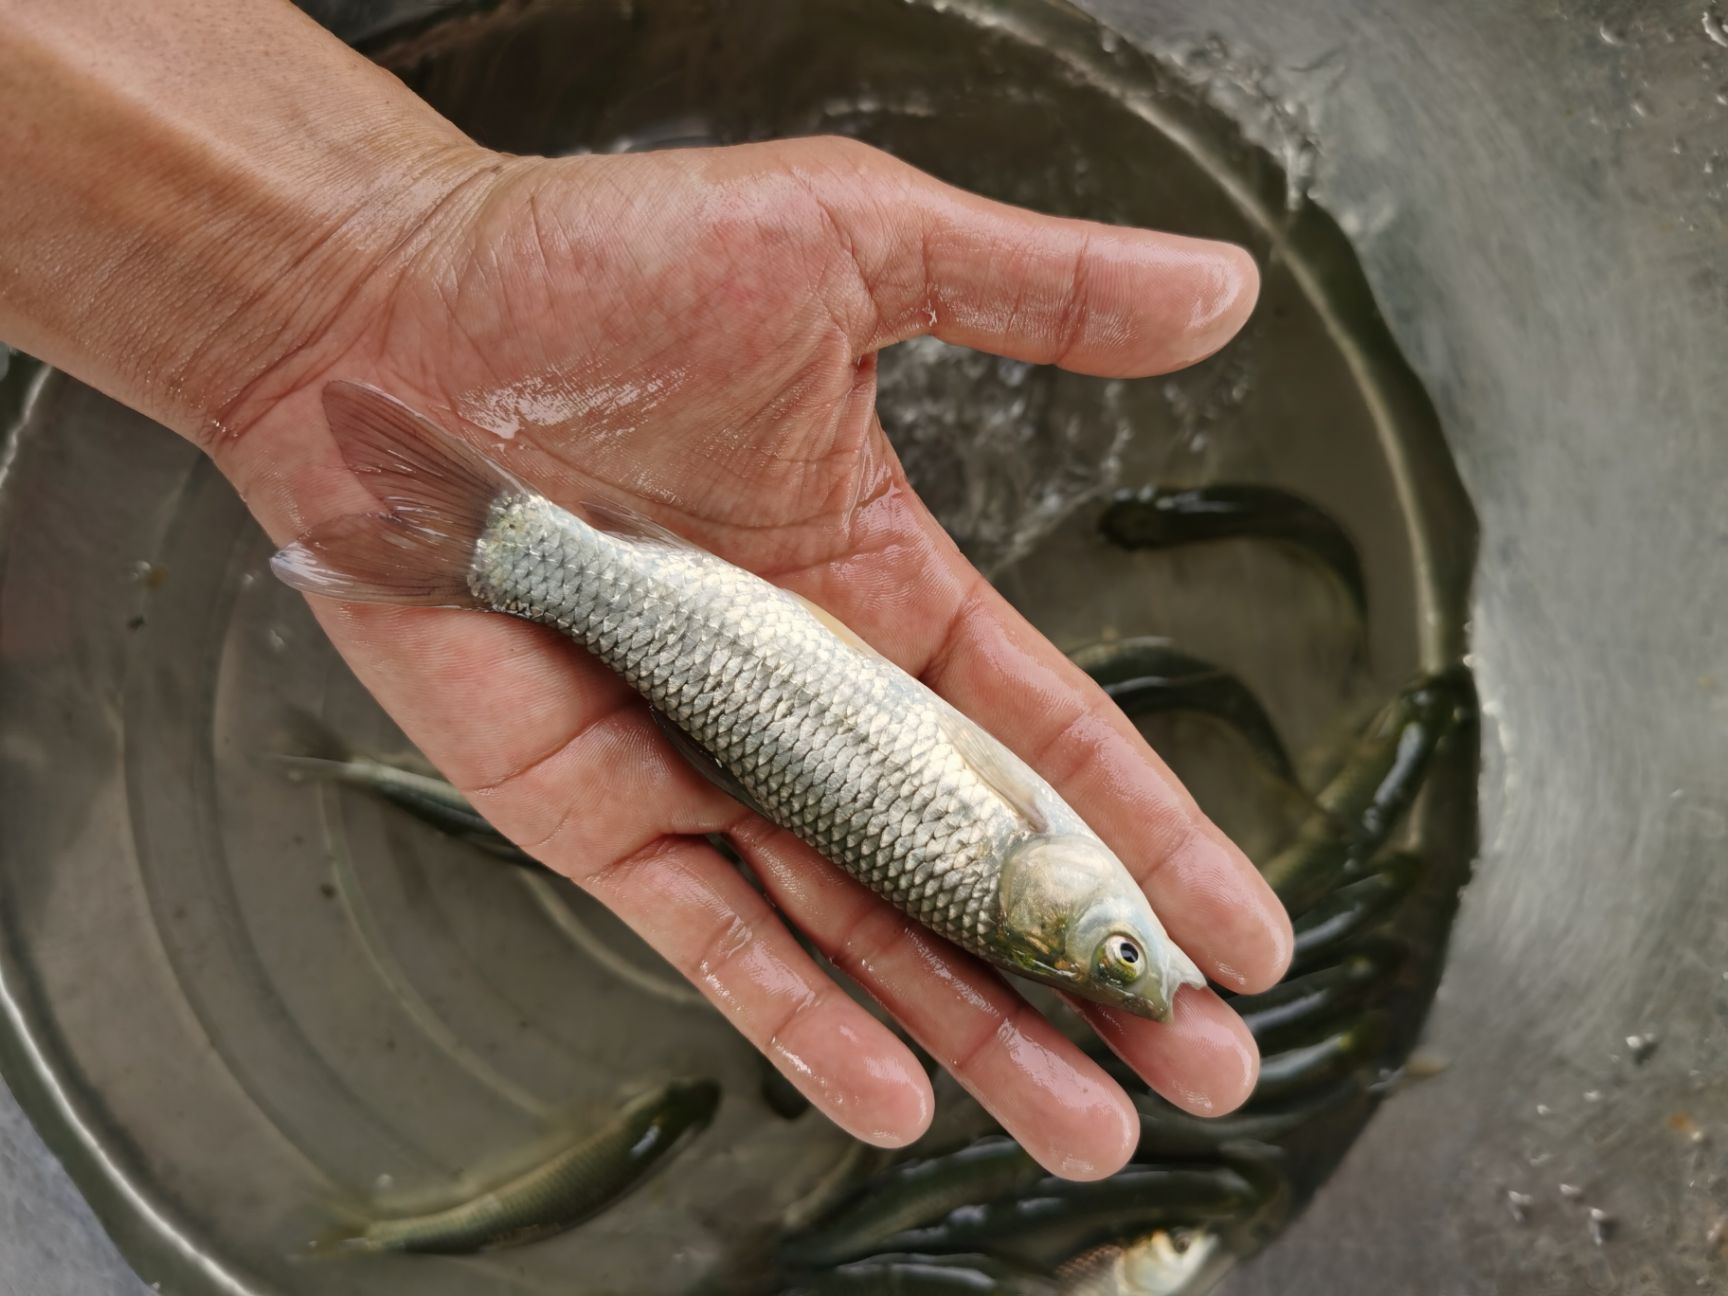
(1538, 199)
(1536, 202)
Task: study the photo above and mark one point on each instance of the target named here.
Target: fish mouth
(1153, 1003)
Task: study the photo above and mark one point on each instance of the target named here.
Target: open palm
(694, 332)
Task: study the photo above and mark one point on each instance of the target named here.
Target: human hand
(694, 332)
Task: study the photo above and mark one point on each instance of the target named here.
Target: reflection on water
(1002, 452)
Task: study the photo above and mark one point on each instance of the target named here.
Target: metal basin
(1533, 201)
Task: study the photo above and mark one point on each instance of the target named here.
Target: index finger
(997, 668)
(930, 611)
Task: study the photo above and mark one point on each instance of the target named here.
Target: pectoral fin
(704, 764)
(997, 767)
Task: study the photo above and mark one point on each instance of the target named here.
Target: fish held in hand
(785, 706)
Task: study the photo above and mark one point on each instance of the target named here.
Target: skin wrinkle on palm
(718, 308)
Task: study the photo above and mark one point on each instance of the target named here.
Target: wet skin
(692, 333)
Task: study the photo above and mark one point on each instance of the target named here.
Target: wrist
(201, 199)
(311, 263)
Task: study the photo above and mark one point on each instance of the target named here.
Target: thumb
(1094, 298)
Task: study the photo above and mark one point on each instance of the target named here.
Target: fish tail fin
(311, 750)
(437, 495)
(339, 1240)
(331, 1231)
(300, 769)
(306, 737)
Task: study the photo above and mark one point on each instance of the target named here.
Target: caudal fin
(436, 494)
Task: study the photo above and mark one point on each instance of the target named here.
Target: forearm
(192, 191)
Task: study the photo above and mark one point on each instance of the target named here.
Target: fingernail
(1105, 1160)
(1226, 287)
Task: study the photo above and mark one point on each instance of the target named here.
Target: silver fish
(425, 796)
(1159, 1264)
(916, 1194)
(793, 712)
(561, 1192)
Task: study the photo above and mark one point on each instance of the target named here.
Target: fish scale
(757, 681)
(825, 736)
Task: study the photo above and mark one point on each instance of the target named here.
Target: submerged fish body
(563, 1190)
(1357, 809)
(923, 1275)
(425, 796)
(802, 720)
(1159, 1264)
(1157, 517)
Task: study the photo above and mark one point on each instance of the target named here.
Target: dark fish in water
(561, 1192)
(779, 1094)
(1154, 517)
(425, 796)
(1391, 761)
(1338, 1055)
(925, 1275)
(1145, 676)
(792, 711)
(1168, 1132)
(1060, 1215)
(916, 1193)
(1297, 1008)
(1359, 807)
(1353, 908)
(856, 1164)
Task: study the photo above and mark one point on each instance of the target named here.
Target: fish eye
(1121, 957)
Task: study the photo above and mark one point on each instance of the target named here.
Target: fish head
(1169, 1264)
(1440, 702)
(1074, 918)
